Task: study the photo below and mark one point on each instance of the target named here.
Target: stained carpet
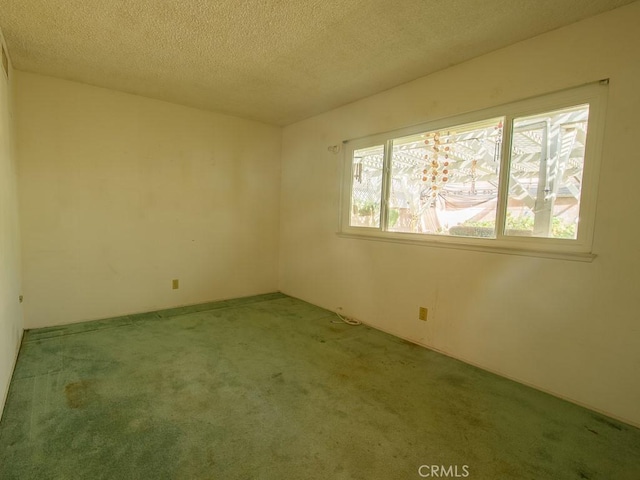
(268, 387)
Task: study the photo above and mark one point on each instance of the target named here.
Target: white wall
(120, 194)
(566, 327)
(10, 308)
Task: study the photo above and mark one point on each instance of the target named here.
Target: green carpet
(268, 387)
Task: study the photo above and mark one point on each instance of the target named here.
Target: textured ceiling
(277, 61)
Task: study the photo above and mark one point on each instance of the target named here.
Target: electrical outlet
(422, 313)
(175, 284)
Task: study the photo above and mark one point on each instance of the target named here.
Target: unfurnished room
(272, 240)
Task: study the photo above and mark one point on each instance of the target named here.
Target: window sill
(557, 255)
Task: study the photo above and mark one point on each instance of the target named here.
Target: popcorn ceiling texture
(275, 61)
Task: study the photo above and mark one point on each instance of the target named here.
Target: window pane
(445, 182)
(366, 186)
(545, 181)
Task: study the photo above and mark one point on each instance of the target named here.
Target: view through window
(504, 176)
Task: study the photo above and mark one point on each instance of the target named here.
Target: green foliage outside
(559, 229)
(393, 217)
(366, 208)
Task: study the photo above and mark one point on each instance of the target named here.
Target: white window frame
(594, 94)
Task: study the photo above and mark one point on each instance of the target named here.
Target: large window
(520, 176)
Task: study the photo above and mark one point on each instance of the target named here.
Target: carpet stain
(79, 394)
(608, 423)
(454, 380)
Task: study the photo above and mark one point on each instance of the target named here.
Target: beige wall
(566, 327)
(10, 308)
(121, 194)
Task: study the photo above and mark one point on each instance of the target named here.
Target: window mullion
(386, 185)
(505, 165)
